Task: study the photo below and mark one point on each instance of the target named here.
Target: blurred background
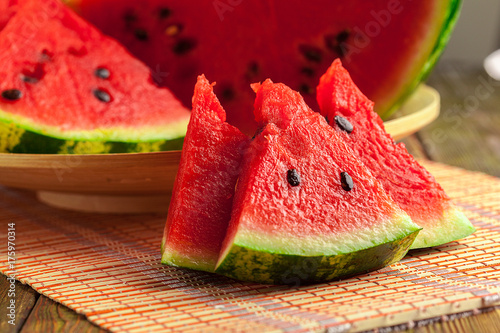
(477, 32)
(467, 132)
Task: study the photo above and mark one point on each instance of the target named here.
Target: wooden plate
(142, 182)
(419, 110)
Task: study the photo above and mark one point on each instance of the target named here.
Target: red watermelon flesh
(7, 9)
(52, 56)
(291, 207)
(407, 182)
(301, 140)
(202, 198)
(387, 46)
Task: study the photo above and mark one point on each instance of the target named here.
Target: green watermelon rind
(453, 225)
(17, 139)
(266, 260)
(452, 15)
(249, 264)
(119, 134)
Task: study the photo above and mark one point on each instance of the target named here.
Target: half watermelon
(387, 46)
(67, 88)
(412, 187)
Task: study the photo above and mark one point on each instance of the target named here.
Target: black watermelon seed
(311, 53)
(334, 42)
(343, 36)
(102, 95)
(253, 70)
(344, 124)
(164, 12)
(129, 16)
(346, 181)
(228, 93)
(141, 34)
(293, 177)
(102, 73)
(306, 89)
(12, 94)
(184, 45)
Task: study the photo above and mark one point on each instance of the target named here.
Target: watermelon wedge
(412, 187)
(387, 46)
(203, 191)
(67, 88)
(305, 209)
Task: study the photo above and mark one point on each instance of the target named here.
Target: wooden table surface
(466, 134)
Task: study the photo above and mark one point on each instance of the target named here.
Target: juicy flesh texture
(202, 198)
(53, 65)
(238, 44)
(298, 138)
(407, 182)
(7, 9)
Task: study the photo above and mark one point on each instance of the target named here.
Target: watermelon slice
(203, 191)
(67, 88)
(304, 209)
(412, 187)
(387, 46)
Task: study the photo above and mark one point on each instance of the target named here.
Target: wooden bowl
(142, 182)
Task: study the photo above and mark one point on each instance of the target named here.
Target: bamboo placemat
(108, 268)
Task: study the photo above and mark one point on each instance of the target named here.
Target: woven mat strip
(107, 267)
